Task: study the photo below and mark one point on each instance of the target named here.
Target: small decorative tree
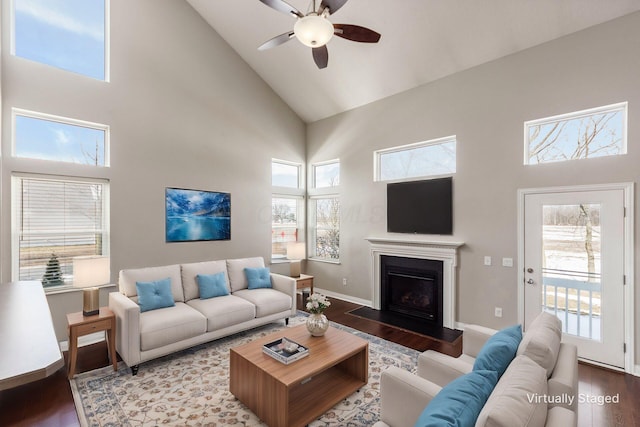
(53, 273)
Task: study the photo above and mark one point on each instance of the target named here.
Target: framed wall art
(196, 215)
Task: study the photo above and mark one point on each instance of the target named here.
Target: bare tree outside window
(328, 228)
(580, 135)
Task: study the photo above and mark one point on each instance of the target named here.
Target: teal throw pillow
(459, 403)
(258, 277)
(499, 350)
(212, 285)
(154, 295)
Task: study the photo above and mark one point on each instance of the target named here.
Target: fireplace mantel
(442, 250)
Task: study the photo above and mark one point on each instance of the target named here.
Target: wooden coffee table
(298, 393)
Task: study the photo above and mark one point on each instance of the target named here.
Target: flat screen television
(420, 207)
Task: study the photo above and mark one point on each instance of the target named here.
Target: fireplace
(445, 252)
(412, 287)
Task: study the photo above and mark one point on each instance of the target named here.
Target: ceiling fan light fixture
(313, 30)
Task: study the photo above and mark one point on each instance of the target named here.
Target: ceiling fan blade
(321, 56)
(333, 6)
(283, 6)
(277, 41)
(356, 33)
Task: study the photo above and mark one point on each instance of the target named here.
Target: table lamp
(295, 253)
(88, 273)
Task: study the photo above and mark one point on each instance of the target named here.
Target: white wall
(185, 111)
(485, 107)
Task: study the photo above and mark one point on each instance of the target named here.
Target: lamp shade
(91, 271)
(296, 250)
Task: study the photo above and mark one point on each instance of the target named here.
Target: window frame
(62, 120)
(107, 43)
(298, 194)
(575, 115)
(16, 180)
(378, 154)
(313, 228)
(317, 165)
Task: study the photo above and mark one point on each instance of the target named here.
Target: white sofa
(544, 368)
(142, 336)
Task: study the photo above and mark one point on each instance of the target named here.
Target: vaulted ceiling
(422, 41)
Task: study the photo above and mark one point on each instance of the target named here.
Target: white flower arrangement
(317, 303)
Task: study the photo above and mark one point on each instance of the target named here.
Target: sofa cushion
(541, 342)
(460, 401)
(499, 350)
(258, 278)
(191, 270)
(235, 268)
(154, 295)
(518, 398)
(224, 311)
(128, 278)
(266, 301)
(212, 285)
(170, 325)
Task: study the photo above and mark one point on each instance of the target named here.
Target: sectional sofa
(188, 318)
(536, 386)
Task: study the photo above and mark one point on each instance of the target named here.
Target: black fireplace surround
(412, 287)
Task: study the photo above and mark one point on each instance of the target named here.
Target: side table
(79, 325)
(304, 281)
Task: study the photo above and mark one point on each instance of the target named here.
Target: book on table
(285, 350)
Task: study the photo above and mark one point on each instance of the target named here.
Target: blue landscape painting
(197, 215)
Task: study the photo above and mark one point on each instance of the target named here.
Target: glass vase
(317, 324)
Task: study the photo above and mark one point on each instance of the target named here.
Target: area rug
(191, 387)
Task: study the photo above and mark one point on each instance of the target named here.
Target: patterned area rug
(191, 387)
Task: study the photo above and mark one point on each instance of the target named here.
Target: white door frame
(629, 295)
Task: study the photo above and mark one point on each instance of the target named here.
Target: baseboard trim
(344, 297)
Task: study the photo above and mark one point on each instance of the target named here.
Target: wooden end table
(79, 325)
(304, 281)
(298, 393)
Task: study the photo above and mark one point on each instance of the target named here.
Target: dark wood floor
(49, 402)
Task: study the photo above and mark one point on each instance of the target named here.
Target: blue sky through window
(67, 34)
(49, 140)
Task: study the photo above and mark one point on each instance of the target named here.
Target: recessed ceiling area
(422, 41)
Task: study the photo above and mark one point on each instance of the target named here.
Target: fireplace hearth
(412, 287)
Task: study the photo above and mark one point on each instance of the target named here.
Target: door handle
(530, 282)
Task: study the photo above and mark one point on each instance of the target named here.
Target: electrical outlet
(498, 312)
(344, 281)
(507, 262)
(487, 260)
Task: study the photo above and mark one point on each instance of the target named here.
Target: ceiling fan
(315, 30)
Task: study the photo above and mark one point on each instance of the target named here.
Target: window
(70, 34)
(56, 219)
(326, 228)
(45, 137)
(285, 174)
(324, 206)
(326, 174)
(581, 135)
(287, 206)
(423, 159)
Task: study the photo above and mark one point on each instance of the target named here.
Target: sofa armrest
(564, 378)
(441, 369)
(403, 396)
(127, 327)
(474, 337)
(287, 285)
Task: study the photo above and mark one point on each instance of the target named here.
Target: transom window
(45, 137)
(70, 34)
(423, 159)
(285, 174)
(584, 134)
(326, 174)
